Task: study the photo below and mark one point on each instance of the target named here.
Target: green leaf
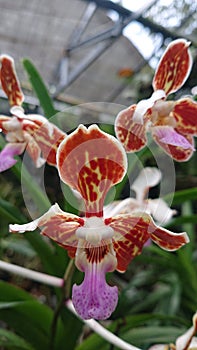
(9, 211)
(29, 318)
(35, 191)
(144, 336)
(46, 253)
(181, 196)
(39, 88)
(20, 246)
(184, 219)
(73, 329)
(54, 266)
(9, 340)
(72, 204)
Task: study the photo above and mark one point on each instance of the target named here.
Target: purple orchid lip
(169, 136)
(94, 298)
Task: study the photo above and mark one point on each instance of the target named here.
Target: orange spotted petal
(174, 67)
(133, 230)
(132, 135)
(46, 135)
(178, 153)
(91, 161)
(130, 236)
(185, 113)
(9, 81)
(34, 151)
(57, 225)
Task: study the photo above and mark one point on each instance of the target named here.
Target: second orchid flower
(173, 124)
(31, 132)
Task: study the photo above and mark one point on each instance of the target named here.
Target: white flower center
(94, 230)
(14, 130)
(18, 111)
(144, 105)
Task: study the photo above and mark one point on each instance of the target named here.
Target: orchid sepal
(98, 161)
(174, 67)
(9, 81)
(185, 114)
(132, 135)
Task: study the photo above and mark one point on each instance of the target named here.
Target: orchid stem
(68, 277)
(65, 295)
(60, 282)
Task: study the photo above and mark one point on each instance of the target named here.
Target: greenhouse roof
(88, 51)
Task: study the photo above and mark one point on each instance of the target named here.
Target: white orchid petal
(148, 177)
(159, 347)
(124, 206)
(31, 226)
(160, 210)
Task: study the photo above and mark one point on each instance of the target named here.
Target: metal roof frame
(99, 42)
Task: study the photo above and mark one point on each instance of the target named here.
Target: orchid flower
(172, 123)
(91, 162)
(32, 132)
(184, 342)
(157, 208)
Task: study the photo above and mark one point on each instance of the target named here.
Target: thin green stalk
(65, 295)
